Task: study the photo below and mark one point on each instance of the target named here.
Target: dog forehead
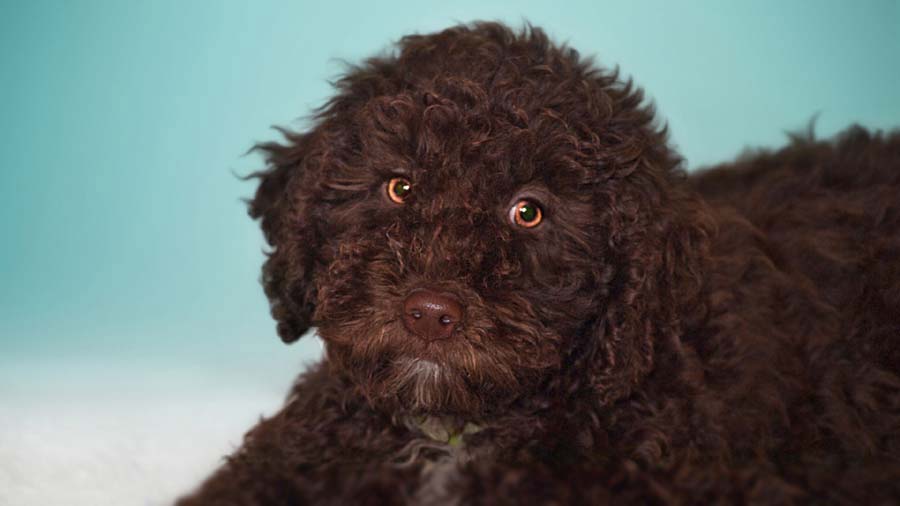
(470, 150)
(503, 171)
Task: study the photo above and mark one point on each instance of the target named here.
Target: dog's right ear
(284, 209)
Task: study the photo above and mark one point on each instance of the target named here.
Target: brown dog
(525, 300)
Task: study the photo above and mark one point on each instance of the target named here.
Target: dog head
(480, 218)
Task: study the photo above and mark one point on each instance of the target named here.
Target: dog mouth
(471, 371)
(435, 348)
(430, 357)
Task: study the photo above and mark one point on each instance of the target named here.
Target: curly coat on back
(524, 299)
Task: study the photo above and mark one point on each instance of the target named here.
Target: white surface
(127, 434)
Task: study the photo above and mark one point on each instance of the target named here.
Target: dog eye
(398, 189)
(526, 213)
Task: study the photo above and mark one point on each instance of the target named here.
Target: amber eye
(525, 213)
(398, 189)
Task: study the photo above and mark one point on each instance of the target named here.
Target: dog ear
(658, 239)
(283, 206)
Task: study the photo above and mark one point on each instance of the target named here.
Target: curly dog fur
(730, 336)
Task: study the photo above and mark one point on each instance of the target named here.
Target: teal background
(122, 124)
(127, 258)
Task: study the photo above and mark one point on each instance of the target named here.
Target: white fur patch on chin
(422, 380)
(421, 369)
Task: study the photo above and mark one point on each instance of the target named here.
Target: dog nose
(431, 315)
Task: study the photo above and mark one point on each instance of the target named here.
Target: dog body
(524, 300)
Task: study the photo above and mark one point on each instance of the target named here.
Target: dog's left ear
(284, 206)
(658, 239)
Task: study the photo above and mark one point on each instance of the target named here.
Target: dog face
(479, 220)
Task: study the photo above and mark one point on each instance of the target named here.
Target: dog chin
(420, 370)
(422, 386)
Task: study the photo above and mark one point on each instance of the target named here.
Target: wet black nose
(431, 315)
